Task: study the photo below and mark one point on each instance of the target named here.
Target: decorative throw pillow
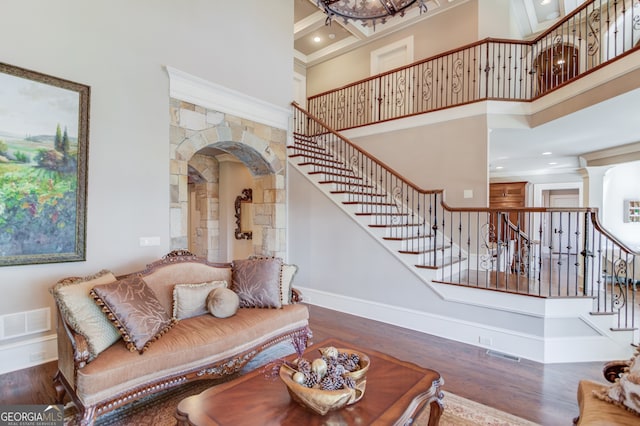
(286, 279)
(190, 300)
(82, 314)
(257, 282)
(222, 302)
(625, 392)
(134, 308)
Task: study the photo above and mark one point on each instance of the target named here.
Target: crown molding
(207, 94)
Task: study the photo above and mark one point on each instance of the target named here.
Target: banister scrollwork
(620, 275)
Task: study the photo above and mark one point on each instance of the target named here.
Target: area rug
(158, 410)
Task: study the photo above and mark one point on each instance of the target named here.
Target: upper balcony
(593, 48)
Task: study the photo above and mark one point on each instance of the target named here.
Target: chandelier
(367, 10)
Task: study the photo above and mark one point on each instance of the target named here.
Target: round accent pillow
(222, 302)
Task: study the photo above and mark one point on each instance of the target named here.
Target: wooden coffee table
(395, 394)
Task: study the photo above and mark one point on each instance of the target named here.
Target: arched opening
(210, 168)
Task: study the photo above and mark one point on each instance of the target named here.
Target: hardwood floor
(545, 394)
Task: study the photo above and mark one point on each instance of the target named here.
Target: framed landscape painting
(44, 125)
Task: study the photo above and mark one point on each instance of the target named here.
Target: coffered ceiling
(316, 41)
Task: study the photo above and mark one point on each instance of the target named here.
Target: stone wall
(261, 148)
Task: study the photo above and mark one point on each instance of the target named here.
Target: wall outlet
(468, 193)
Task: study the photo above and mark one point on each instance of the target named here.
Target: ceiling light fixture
(317, 39)
(367, 11)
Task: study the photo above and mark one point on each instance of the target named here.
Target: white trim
(28, 353)
(534, 347)
(213, 96)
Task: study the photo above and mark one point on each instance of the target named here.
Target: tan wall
(459, 24)
(451, 155)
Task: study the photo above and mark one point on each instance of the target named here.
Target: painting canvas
(44, 123)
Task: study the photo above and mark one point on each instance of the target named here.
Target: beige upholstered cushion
(222, 302)
(190, 344)
(79, 310)
(257, 282)
(286, 280)
(190, 300)
(135, 310)
(625, 392)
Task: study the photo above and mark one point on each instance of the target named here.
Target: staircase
(402, 230)
(443, 246)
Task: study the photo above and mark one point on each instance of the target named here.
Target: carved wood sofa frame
(75, 347)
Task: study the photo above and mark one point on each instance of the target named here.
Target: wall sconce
(244, 215)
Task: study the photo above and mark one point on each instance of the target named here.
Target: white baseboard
(514, 344)
(28, 353)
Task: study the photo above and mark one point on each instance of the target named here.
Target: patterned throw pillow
(257, 282)
(625, 392)
(134, 308)
(190, 300)
(286, 279)
(79, 310)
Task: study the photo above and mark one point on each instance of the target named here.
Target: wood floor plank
(543, 393)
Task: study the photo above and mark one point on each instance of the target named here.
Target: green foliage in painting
(37, 211)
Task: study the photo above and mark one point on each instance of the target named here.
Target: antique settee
(613, 404)
(122, 338)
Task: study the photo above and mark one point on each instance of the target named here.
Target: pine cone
(311, 379)
(349, 382)
(304, 366)
(331, 383)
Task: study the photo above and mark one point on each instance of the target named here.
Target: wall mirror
(244, 215)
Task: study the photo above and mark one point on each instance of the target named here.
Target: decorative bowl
(322, 401)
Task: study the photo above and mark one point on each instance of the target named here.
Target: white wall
(120, 49)
(620, 184)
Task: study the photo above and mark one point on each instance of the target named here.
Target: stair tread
(365, 194)
(369, 203)
(392, 225)
(380, 214)
(441, 265)
(423, 251)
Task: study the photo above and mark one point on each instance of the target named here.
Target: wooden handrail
(362, 151)
(598, 226)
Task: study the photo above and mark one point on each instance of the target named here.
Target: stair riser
(393, 220)
(364, 198)
(376, 208)
(404, 231)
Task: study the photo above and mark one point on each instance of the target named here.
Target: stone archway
(261, 148)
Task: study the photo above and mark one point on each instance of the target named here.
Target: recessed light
(547, 153)
(543, 2)
(499, 167)
(552, 164)
(317, 39)
(332, 36)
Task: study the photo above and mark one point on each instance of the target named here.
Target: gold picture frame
(44, 141)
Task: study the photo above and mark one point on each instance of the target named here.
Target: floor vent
(25, 323)
(503, 355)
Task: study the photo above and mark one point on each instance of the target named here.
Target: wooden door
(507, 195)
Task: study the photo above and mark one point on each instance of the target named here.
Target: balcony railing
(596, 33)
(540, 252)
